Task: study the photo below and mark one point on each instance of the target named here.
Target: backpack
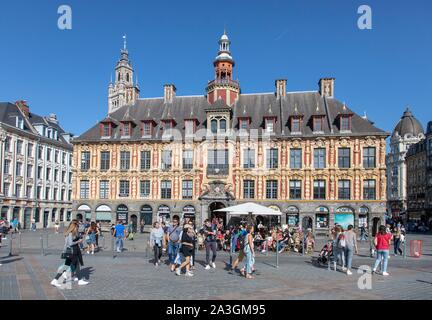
(81, 228)
(341, 241)
(242, 240)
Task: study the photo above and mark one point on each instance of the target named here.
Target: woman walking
(92, 231)
(156, 236)
(339, 244)
(248, 249)
(74, 258)
(397, 240)
(187, 240)
(382, 244)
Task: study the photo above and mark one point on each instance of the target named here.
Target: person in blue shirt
(120, 234)
(172, 234)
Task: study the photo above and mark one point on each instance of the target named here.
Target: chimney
(22, 105)
(169, 93)
(326, 87)
(52, 118)
(280, 88)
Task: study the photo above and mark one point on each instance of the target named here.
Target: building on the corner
(35, 167)
(303, 153)
(407, 132)
(419, 180)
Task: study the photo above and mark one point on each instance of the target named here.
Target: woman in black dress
(187, 250)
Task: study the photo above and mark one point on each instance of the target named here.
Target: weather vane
(124, 42)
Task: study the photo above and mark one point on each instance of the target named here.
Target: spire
(124, 42)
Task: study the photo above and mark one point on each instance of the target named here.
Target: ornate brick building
(303, 153)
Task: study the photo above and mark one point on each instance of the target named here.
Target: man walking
(119, 234)
(209, 231)
(173, 239)
(350, 247)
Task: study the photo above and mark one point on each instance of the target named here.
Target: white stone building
(36, 167)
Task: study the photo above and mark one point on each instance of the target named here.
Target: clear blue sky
(380, 71)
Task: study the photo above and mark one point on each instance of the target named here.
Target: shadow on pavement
(10, 260)
(86, 272)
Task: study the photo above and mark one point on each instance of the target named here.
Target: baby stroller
(326, 253)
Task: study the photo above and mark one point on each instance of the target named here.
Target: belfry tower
(223, 86)
(123, 91)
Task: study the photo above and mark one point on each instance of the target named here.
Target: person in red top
(382, 244)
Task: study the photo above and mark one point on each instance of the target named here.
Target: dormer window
(244, 123)
(190, 126)
(218, 125)
(345, 123)
(19, 123)
(147, 128)
(318, 124)
(296, 124)
(269, 124)
(168, 124)
(222, 125)
(106, 129)
(126, 129)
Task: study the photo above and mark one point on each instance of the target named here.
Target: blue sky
(380, 71)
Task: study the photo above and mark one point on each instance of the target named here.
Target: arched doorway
(84, 211)
(375, 225)
(164, 213)
(79, 216)
(122, 213)
(218, 215)
(134, 220)
(103, 216)
(307, 223)
(45, 218)
(53, 216)
(146, 214)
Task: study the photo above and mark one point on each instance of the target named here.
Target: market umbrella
(250, 209)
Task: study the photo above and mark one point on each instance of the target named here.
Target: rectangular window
(295, 125)
(147, 128)
(318, 124)
(104, 189)
(29, 192)
(319, 158)
(124, 188)
(63, 158)
(166, 163)
(63, 177)
(55, 193)
(19, 146)
(39, 172)
(124, 160)
(295, 189)
(7, 144)
(48, 174)
(345, 123)
(145, 188)
(166, 189)
(29, 171)
(69, 195)
(62, 196)
(6, 187)
(40, 152)
(295, 158)
(49, 154)
(272, 158)
(85, 160)
(189, 127)
(369, 157)
(217, 162)
(369, 190)
(56, 175)
(187, 159)
(39, 193)
(6, 166)
(249, 158)
(248, 189)
(319, 189)
(18, 190)
(344, 158)
(70, 177)
(269, 125)
(30, 150)
(344, 189)
(145, 160)
(187, 190)
(271, 189)
(47, 193)
(105, 160)
(126, 129)
(244, 124)
(56, 157)
(84, 189)
(106, 130)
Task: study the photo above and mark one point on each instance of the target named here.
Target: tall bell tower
(223, 86)
(123, 91)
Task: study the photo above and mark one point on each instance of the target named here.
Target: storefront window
(322, 218)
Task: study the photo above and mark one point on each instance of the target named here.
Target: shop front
(292, 216)
(123, 213)
(164, 213)
(344, 216)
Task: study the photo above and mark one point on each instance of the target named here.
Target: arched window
(214, 126)
(118, 76)
(222, 124)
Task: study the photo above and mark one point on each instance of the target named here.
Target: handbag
(67, 253)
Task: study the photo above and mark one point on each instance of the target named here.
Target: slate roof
(9, 112)
(255, 106)
(408, 124)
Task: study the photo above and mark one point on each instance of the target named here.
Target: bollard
(42, 245)
(46, 233)
(10, 245)
(277, 253)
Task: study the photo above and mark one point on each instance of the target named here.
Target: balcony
(224, 82)
(217, 170)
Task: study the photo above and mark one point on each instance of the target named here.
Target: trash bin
(416, 248)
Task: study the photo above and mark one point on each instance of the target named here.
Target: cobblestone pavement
(131, 275)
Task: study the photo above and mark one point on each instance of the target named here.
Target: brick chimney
(22, 104)
(169, 93)
(326, 87)
(280, 88)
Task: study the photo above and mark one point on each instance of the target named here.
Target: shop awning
(250, 208)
